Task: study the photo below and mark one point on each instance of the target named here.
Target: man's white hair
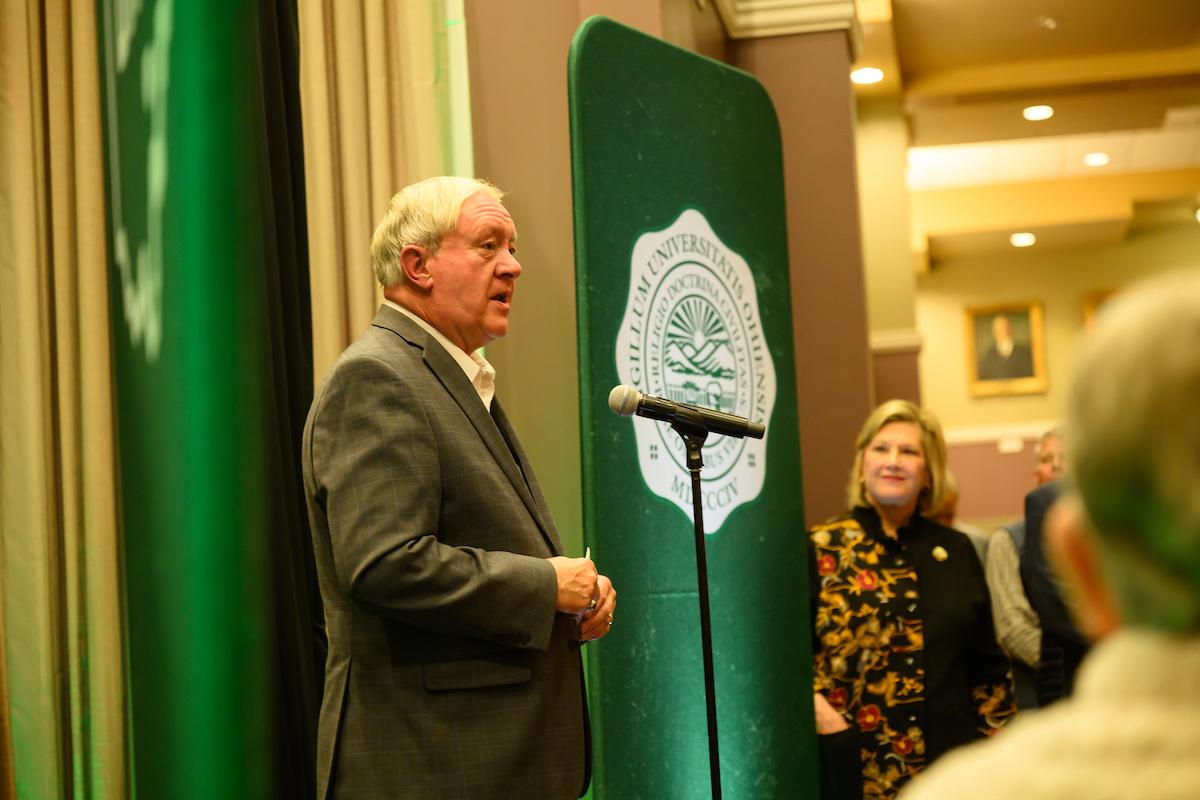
(421, 214)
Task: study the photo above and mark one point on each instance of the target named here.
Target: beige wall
(518, 76)
(816, 120)
(991, 440)
(1060, 280)
(882, 142)
(518, 80)
(992, 479)
(984, 433)
(519, 112)
(683, 23)
(1003, 207)
(882, 149)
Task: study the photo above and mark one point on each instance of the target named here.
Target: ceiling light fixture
(1023, 239)
(1038, 113)
(1046, 23)
(1198, 215)
(865, 75)
(1096, 159)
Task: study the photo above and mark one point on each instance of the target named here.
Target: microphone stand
(691, 427)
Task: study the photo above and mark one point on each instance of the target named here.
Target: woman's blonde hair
(932, 443)
(421, 214)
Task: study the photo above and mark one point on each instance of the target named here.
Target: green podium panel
(682, 281)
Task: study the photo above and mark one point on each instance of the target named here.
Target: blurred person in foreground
(1018, 628)
(1128, 545)
(905, 661)
(454, 619)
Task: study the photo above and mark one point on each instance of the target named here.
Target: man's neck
(479, 372)
(413, 304)
(406, 301)
(433, 330)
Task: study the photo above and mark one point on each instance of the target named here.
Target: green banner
(182, 130)
(682, 281)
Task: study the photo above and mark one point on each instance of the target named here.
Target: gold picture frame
(1006, 350)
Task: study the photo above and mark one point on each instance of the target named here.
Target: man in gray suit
(454, 620)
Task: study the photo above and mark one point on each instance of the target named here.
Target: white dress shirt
(479, 372)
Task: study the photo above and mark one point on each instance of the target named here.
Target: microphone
(626, 401)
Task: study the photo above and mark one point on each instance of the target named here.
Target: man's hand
(599, 621)
(576, 583)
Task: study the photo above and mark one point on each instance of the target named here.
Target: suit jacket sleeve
(377, 465)
(1017, 627)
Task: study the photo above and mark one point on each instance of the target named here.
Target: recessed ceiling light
(1046, 23)
(865, 75)
(1024, 239)
(1198, 215)
(1096, 159)
(1038, 113)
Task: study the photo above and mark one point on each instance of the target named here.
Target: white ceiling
(1053, 157)
(1122, 75)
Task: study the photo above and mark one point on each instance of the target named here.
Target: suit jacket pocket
(443, 676)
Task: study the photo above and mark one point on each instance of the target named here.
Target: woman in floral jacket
(905, 660)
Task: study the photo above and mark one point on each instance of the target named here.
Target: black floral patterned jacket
(903, 644)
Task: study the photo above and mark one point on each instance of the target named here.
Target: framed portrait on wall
(1006, 351)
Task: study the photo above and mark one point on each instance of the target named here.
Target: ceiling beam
(748, 19)
(1040, 205)
(1053, 73)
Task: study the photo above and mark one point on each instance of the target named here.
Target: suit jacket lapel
(452, 377)
(540, 508)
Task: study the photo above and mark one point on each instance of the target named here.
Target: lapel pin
(940, 554)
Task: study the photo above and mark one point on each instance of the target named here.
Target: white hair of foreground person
(1134, 450)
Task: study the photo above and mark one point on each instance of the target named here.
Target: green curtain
(211, 345)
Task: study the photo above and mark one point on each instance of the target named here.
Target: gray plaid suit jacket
(449, 673)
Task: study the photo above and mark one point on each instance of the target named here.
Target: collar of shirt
(868, 519)
(479, 372)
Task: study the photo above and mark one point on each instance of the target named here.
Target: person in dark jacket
(1063, 646)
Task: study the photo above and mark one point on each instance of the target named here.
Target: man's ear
(1072, 550)
(414, 262)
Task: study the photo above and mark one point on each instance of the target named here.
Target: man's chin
(497, 330)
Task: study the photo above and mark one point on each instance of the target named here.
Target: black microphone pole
(691, 427)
